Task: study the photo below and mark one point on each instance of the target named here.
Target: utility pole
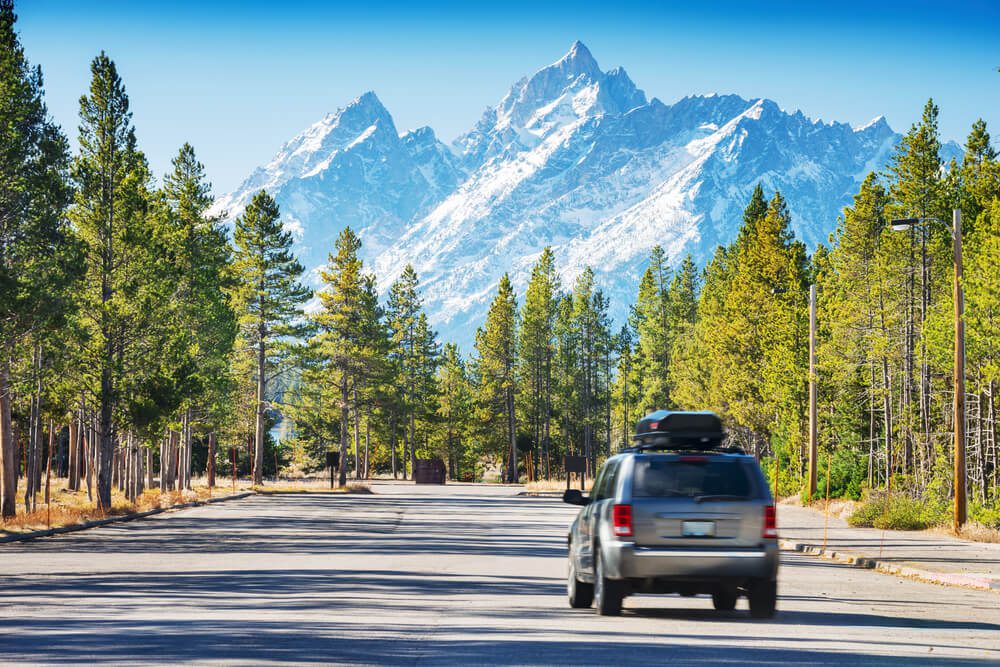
(959, 408)
(904, 224)
(813, 426)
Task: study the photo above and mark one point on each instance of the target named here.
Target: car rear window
(665, 478)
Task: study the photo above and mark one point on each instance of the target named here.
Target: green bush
(895, 512)
(987, 516)
(848, 473)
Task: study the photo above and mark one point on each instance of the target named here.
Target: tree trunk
(149, 467)
(88, 456)
(413, 445)
(211, 460)
(106, 451)
(392, 441)
(73, 472)
(368, 436)
(344, 417)
(357, 438)
(259, 435)
(186, 459)
(8, 452)
(512, 434)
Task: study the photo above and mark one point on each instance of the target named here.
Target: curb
(324, 492)
(50, 532)
(978, 582)
(541, 494)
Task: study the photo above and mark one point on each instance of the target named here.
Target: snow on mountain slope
(351, 168)
(572, 157)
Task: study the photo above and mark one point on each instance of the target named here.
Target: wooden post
(826, 518)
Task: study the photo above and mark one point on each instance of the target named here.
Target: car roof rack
(683, 448)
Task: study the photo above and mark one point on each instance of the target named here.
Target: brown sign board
(577, 464)
(429, 471)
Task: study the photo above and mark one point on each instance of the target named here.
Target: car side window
(595, 490)
(605, 486)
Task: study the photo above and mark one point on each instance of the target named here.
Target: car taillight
(622, 520)
(770, 522)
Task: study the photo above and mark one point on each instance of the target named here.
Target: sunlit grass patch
(310, 487)
(555, 485)
(68, 508)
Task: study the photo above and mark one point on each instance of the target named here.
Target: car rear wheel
(607, 592)
(581, 594)
(724, 599)
(763, 596)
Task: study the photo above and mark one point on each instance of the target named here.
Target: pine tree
(200, 254)
(979, 175)
(652, 321)
(625, 393)
(917, 191)
(39, 256)
(124, 279)
(683, 296)
(858, 352)
(267, 297)
(453, 407)
(496, 360)
(403, 312)
(427, 361)
(535, 350)
(567, 378)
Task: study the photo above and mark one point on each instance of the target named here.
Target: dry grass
(314, 487)
(555, 485)
(974, 532)
(75, 507)
(839, 508)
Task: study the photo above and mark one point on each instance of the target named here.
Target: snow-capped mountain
(351, 168)
(573, 157)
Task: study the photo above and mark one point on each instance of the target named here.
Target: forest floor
(69, 508)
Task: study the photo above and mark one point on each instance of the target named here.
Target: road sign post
(577, 464)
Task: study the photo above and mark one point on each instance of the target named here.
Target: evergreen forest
(143, 343)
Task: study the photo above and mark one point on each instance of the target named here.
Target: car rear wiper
(717, 497)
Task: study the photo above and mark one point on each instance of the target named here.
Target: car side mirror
(575, 497)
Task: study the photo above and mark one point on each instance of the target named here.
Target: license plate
(698, 528)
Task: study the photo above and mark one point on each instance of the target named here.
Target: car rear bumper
(626, 560)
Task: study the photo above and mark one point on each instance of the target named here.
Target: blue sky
(238, 79)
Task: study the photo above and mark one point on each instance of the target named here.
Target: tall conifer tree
(496, 360)
(268, 299)
(38, 254)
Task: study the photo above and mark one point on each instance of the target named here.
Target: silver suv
(677, 513)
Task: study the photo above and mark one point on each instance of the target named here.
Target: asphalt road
(461, 575)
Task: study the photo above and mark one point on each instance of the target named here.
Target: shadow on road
(295, 614)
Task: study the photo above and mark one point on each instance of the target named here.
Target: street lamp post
(960, 510)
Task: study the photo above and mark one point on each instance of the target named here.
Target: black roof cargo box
(664, 429)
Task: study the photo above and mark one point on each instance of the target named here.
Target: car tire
(763, 596)
(607, 592)
(581, 594)
(724, 599)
